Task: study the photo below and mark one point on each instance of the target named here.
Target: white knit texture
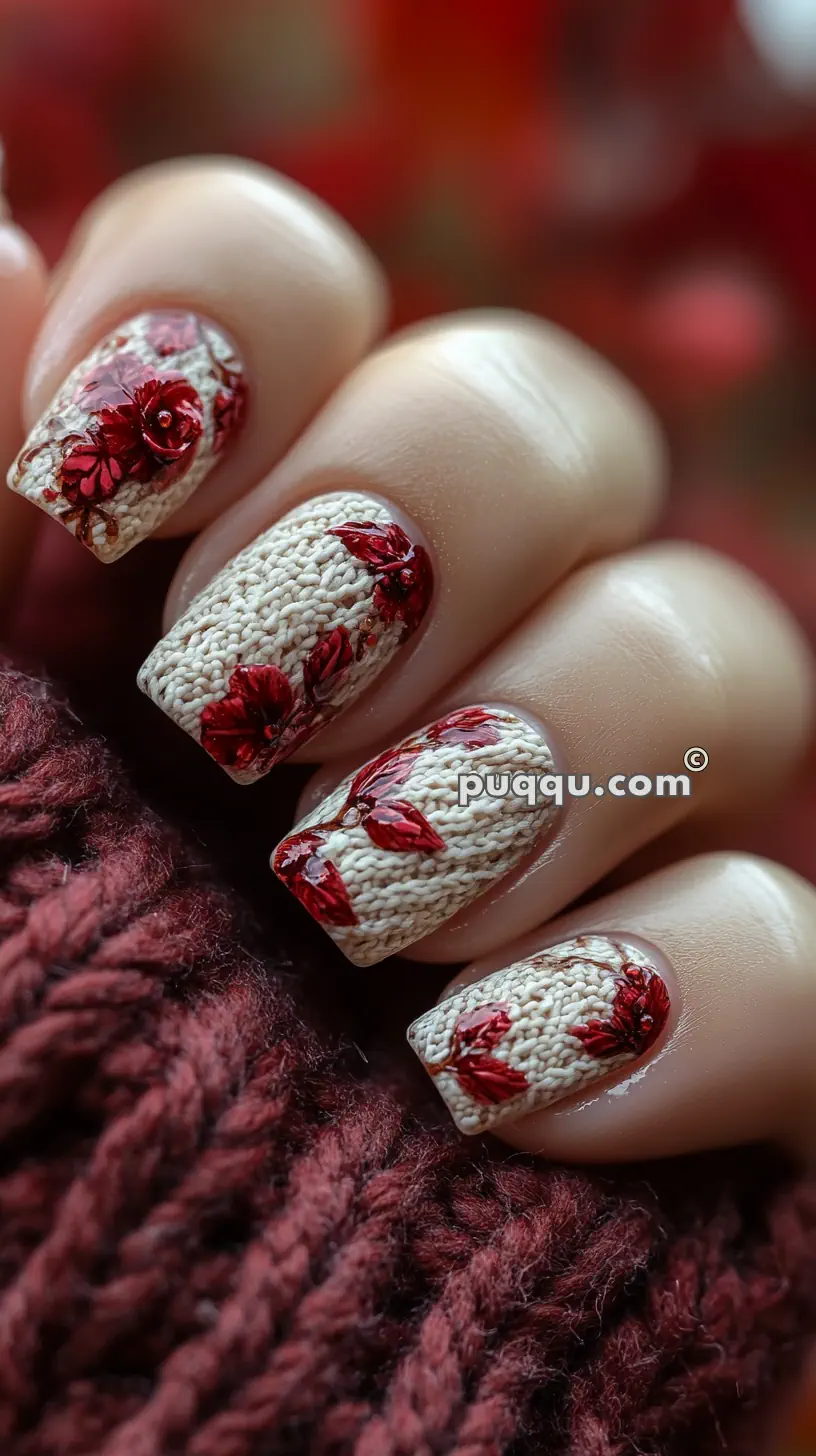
(400, 896)
(564, 986)
(271, 605)
(137, 508)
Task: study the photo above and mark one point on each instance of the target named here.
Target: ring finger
(436, 846)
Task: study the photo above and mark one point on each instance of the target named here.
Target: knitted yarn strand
(219, 1238)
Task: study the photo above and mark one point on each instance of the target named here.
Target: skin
(534, 473)
(22, 300)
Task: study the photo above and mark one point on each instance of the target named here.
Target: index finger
(197, 297)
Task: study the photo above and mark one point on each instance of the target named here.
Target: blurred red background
(644, 173)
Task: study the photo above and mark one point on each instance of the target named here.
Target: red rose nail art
(329, 638)
(511, 1043)
(134, 430)
(388, 823)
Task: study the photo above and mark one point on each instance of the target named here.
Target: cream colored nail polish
(396, 850)
(542, 1029)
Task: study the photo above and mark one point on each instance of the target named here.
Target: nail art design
(291, 631)
(391, 854)
(134, 430)
(541, 1029)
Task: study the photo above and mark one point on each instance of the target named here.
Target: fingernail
(292, 630)
(392, 853)
(134, 430)
(540, 1030)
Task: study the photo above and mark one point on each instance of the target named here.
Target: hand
(421, 565)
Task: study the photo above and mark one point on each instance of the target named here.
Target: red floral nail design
(88, 476)
(126, 417)
(485, 1078)
(112, 383)
(385, 772)
(327, 664)
(148, 437)
(229, 410)
(472, 727)
(158, 427)
(639, 1013)
(389, 823)
(526, 1014)
(173, 333)
(403, 577)
(313, 880)
(401, 827)
(260, 718)
(402, 570)
(243, 727)
(397, 826)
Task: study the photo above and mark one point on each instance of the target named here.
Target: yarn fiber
(223, 1233)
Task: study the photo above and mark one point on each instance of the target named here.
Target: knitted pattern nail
(291, 631)
(392, 854)
(540, 1030)
(225, 1234)
(134, 430)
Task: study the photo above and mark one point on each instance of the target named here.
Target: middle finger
(489, 452)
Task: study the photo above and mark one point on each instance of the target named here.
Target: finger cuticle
(134, 430)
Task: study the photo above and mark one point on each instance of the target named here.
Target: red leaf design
(373, 544)
(172, 333)
(229, 411)
(404, 576)
(383, 773)
(489, 1080)
(88, 474)
(112, 383)
(315, 881)
(400, 826)
(244, 726)
(326, 663)
(472, 727)
(639, 1013)
(482, 1029)
(403, 590)
(159, 427)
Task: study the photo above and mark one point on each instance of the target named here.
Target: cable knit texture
(223, 1235)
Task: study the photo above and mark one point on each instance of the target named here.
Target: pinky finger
(673, 1016)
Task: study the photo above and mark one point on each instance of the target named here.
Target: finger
(632, 662)
(490, 452)
(203, 314)
(673, 1016)
(22, 300)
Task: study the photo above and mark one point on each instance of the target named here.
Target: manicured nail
(542, 1029)
(134, 430)
(292, 630)
(393, 853)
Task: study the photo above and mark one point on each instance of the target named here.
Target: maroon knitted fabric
(224, 1234)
